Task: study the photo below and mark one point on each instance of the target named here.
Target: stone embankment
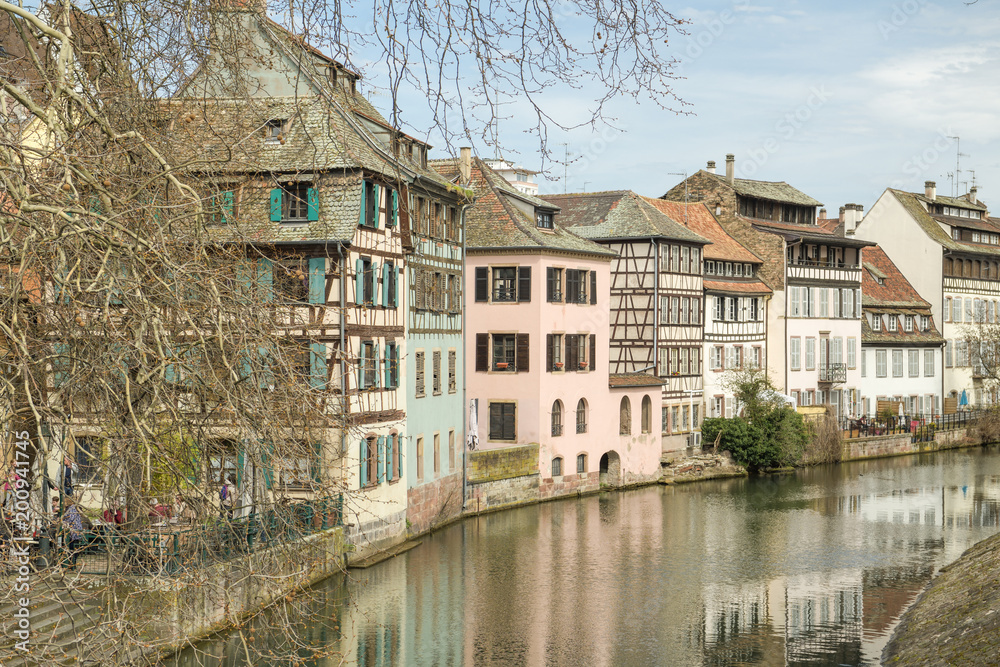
(956, 620)
(679, 469)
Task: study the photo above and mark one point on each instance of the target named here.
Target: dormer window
(892, 323)
(543, 219)
(876, 322)
(956, 233)
(274, 131)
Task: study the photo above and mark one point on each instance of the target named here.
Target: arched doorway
(611, 469)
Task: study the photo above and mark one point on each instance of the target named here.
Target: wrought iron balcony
(833, 373)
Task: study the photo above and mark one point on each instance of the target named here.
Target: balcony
(833, 373)
(556, 429)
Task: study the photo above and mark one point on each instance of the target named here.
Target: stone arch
(611, 469)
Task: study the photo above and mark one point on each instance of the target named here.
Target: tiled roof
(959, 202)
(986, 225)
(620, 214)
(895, 289)
(495, 222)
(774, 191)
(807, 232)
(634, 380)
(912, 203)
(832, 225)
(700, 220)
(899, 337)
(734, 287)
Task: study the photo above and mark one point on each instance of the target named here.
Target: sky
(841, 100)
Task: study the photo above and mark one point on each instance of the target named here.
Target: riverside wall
(881, 446)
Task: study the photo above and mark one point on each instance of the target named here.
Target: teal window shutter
(364, 463)
(312, 201)
(390, 444)
(361, 367)
(361, 216)
(394, 279)
(380, 455)
(394, 214)
(359, 282)
(317, 366)
(267, 371)
(389, 348)
(240, 458)
(375, 189)
(376, 292)
(265, 279)
(60, 365)
(386, 273)
(395, 365)
(227, 206)
(317, 280)
(276, 205)
(378, 366)
(171, 373)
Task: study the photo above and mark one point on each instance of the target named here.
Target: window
(452, 462)
(553, 284)
(908, 324)
(756, 359)
(755, 309)
(420, 457)
(876, 322)
(544, 219)
(717, 358)
(364, 282)
(718, 310)
(968, 310)
(581, 416)
(391, 365)
(956, 310)
(625, 417)
(274, 131)
(297, 202)
(864, 362)
(576, 285)
(437, 454)
(947, 353)
(793, 301)
(709, 267)
(929, 363)
(88, 454)
(452, 372)
(389, 279)
(893, 321)
(553, 352)
(504, 352)
(505, 284)
(418, 362)
(557, 466)
(880, 367)
(502, 421)
(436, 372)
(925, 321)
(368, 363)
(581, 464)
(897, 363)
(647, 415)
(675, 259)
(852, 344)
(810, 354)
(913, 358)
(794, 350)
(557, 413)
(369, 461)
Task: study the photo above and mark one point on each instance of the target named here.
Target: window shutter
(482, 284)
(359, 281)
(572, 353)
(317, 366)
(593, 351)
(378, 366)
(390, 447)
(385, 285)
(522, 358)
(394, 280)
(389, 351)
(548, 352)
(394, 214)
(364, 463)
(171, 373)
(317, 280)
(276, 205)
(265, 279)
(227, 206)
(380, 456)
(361, 215)
(361, 367)
(375, 192)
(550, 284)
(524, 283)
(312, 203)
(376, 292)
(593, 287)
(482, 352)
(395, 366)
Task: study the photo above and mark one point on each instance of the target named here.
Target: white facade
(907, 374)
(735, 336)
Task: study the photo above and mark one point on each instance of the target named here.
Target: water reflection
(812, 568)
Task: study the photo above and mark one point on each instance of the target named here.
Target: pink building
(537, 329)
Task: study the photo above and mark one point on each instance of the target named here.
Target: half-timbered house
(537, 324)
(657, 298)
(736, 302)
(814, 323)
(319, 191)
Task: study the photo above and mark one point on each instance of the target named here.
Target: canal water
(809, 568)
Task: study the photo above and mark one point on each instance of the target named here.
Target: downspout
(343, 361)
(465, 366)
(656, 308)
(784, 317)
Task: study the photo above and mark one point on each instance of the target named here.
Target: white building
(522, 179)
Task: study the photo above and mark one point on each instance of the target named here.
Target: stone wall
(566, 485)
(896, 445)
(372, 536)
(429, 505)
(491, 465)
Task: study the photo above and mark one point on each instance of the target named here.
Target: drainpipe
(656, 305)
(465, 366)
(343, 361)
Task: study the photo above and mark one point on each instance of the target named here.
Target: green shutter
(389, 351)
(390, 445)
(376, 292)
(395, 365)
(361, 217)
(276, 205)
(267, 371)
(394, 216)
(317, 366)
(240, 458)
(378, 365)
(385, 285)
(227, 206)
(312, 202)
(359, 282)
(172, 372)
(317, 280)
(265, 280)
(364, 464)
(380, 456)
(395, 287)
(375, 190)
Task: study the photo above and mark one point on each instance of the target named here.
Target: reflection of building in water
(974, 506)
(823, 617)
(923, 506)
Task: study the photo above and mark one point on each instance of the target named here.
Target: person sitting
(113, 518)
(73, 522)
(159, 512)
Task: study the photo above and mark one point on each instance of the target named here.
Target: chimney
(851, 217)
(822, 213)
(843, 210)
(465, 164)
(731, 168)
(930, 189)
(711, 167)
(973, 191)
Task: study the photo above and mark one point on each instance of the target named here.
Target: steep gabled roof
(619, 214)
(778, 191)
(883, 284)
(697, 218)
(496, 223)
(913, 203)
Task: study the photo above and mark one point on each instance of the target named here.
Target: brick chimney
(822, 213)
(973, 192)
(930, 189)
(731, 168)
(711, 167)
(465, 164)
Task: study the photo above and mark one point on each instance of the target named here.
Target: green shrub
(776, 439)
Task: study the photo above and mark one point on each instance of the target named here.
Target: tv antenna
(958, 165)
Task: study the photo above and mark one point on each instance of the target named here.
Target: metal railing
(922, 428)
(822, 263)
(557, 429)
(504, 294)
(833, 373)
(581, 427)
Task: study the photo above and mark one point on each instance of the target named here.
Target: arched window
(581, 416)
(581, 464)
(557, 410)
(647, 414)
(557, 467)
(625, 417)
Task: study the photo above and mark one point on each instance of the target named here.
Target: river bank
(955, 619)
